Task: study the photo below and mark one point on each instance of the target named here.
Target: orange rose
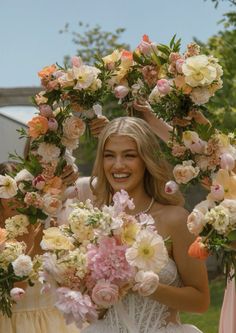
(37, 126)
(47, 71)
(198, 250)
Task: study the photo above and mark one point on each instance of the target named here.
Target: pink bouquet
(99, 256)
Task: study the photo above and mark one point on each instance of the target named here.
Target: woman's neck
(141, 201)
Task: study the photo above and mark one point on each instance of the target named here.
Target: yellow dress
(36, 313)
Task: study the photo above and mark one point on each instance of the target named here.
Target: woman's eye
(108, 155)
(130, 155)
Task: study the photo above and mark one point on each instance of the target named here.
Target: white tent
(9, 137)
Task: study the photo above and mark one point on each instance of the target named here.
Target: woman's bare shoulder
(172, 216)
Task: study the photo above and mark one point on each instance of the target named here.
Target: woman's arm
(194, 295)
(159, 126)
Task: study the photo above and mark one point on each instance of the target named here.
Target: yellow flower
(53, 239)
(228, 181)
(129, 233)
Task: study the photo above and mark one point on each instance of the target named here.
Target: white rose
(22, 266)
(146, 282)
(200, 95)
(49, 152)
(196, 222)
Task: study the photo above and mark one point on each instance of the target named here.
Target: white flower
(24, 174)
(185, 172)
(219, 218)
(22, 266)
(200, 95)
(85, 76)
(51, 204)
(8, 187)
(146, 283)
(199, 71)
(70, 144)
(48, 152)
(97, 108)
(196, 222)
(17, 225)
(155, 96)
(11, 251)
(231, 206)
(148, 253)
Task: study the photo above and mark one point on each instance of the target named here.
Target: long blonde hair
(157, 172)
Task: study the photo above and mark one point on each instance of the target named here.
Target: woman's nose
(118, 163)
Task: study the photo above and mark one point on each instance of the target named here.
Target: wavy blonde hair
(157, 172)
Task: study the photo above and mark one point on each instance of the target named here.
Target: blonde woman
(129, 158)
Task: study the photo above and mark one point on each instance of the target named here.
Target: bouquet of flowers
(99, 256)
(15, 264)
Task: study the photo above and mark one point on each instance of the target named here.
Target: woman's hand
(96, 125)
(142, 106)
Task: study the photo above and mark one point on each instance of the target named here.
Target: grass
(209, 321)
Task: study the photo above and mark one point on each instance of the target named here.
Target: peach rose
(73, 127)
(47, 71)
(37, 126)
(185, 172)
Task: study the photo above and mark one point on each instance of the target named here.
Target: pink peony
(76, 307)
(105, 294)
(107, 261)
(163, 86)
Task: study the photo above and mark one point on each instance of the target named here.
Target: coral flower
(47, 71)
(198, 250)
(37, 126)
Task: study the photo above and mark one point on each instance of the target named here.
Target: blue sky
(30, 38)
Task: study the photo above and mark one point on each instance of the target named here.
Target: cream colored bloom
(24, 174)
(228, 181)
(190, 137)
(73, 128)
(8, 187)
(53, 239)
(185, 172)
(219, 218)
(199, 71)
(77, 222)
(17, 225)
(49, 152)
(129, 232)
(200, 95)
(112, 58)
(12, 250)
(148, 253)
(85, 76)
(23, 265)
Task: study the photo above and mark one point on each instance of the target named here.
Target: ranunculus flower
(17, 294)
(163, 86)
(146, 282)
(37, 126)
(198, 250)
(171, 187)
(8, 187)
(227, 161)
(73, 127)
(52, 124)
(39, 182)
(121, 91)
(45, 110)
(105, 294)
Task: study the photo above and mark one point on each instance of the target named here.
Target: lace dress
(136, 314)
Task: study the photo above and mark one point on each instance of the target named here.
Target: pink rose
(171, 187)
(121, 91)
(52, 124)
(146, 283)
(163, 86)
(105, 294)
(17, 294)
(45, 110)
(227, 161)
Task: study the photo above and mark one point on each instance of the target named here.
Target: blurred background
(35, 34)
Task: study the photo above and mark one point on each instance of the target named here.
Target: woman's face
(123, 166)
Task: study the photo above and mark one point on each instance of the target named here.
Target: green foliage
(216, 2)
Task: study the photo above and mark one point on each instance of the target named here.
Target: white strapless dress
(136, 314)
